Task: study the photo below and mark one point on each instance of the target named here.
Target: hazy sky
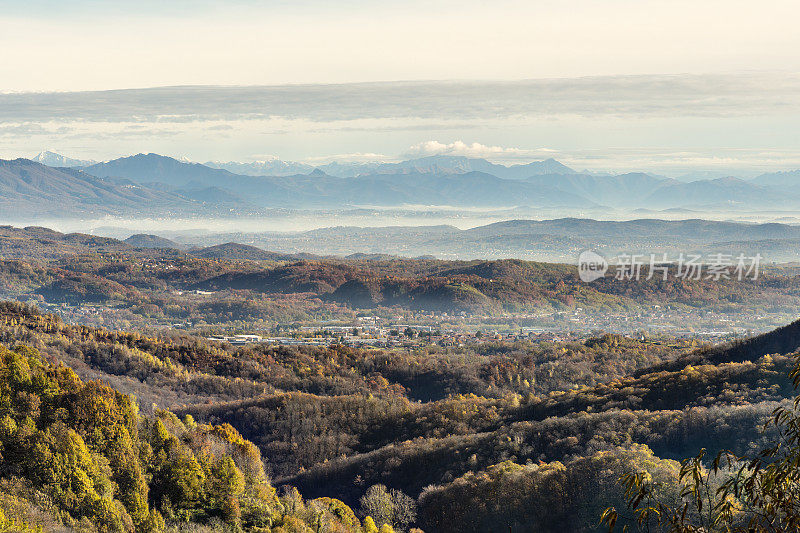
(77, 45)
(680, 111)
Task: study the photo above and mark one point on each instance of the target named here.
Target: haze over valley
(451, 207)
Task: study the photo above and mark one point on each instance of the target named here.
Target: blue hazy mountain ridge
(444, 164)
(628, 190)
(789, 180)
(437, 164)
(729, 190)
(146, 168)
(319, 189)
(450, 180)
(440, 164)
(215, 196)
(32, 189)
(435, 180)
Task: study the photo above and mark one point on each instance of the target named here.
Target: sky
(669, 86)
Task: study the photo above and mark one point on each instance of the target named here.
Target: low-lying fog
(287, 220)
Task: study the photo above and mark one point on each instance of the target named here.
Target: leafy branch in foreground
(732, 494)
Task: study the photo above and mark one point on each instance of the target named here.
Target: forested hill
(475, 438)
(77, 456)
(674, 413)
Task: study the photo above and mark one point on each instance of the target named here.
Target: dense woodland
(439, 439)
(79, 456)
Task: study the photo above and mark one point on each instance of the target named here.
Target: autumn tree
(731, 493)
(390, 507)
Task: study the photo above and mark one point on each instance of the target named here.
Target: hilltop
(237, 252)
(144, 240)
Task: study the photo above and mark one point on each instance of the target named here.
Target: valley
(437, 424)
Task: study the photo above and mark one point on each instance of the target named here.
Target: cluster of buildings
(393, 336)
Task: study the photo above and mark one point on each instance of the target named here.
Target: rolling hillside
(716, 402)
(149, 275)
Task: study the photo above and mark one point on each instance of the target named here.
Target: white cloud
(476, 150)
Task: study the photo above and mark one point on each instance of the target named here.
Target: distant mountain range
(447, 164)
(439, 164)
(52, 159)
(272, 167)
(231, 251)
(787, 180)
(318, 189)
(155, 185)
(29, 189)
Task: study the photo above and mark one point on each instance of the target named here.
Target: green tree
(227, 484)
